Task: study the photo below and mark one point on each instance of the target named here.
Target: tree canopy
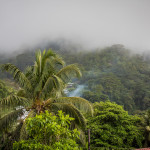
(112, 127)
(115, 63)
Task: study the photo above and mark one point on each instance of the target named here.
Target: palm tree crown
(42, 88)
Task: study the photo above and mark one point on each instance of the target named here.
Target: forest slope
(111, 73)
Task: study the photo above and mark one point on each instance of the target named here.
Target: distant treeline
(111, 73)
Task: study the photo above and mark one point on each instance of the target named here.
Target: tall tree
(112, 127)
(42, 88)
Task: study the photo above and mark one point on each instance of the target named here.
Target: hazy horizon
(25, 24)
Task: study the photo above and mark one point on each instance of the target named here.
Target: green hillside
(112, 73)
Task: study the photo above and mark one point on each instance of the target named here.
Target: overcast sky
(91, 22)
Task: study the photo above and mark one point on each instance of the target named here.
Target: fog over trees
(74, 70)
(25, 24)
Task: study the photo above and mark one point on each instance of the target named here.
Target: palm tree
(42, 89)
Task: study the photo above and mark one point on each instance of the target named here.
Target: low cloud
(91, 23)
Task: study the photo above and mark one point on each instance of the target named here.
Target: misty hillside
(74, 75)
(115, 73)
(112, 73)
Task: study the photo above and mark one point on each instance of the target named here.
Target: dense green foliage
(114, 73)
(111, 126)
(41, 88)
(47, 131)
(5, 90)
(110, 73)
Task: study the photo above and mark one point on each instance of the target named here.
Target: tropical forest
(74, 74)
(54, 99)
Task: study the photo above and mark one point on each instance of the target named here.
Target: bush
(47, 131)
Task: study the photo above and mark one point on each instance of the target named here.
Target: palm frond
(37, 64)
(41, 70)
(48, 102)
(41, 59)
(50, 67)
(49, 74)
(57, 61)
(53, 84)
(17, 75)
(46, 55)
(21, 93)
(29, 72)
(80, 103)
(66, 73)
(32, 77)
(14, 100)
(36, 69)
(8, 119)
(71, 110)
